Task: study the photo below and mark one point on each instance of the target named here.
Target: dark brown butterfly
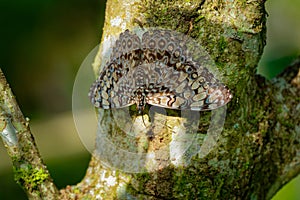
(157, 68)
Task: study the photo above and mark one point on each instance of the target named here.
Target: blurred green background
(42, 45)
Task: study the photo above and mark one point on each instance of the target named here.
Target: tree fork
(259, 148)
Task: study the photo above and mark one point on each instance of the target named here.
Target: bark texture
(30, 172)
(258, 150)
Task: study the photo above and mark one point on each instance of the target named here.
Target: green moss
(227, 42)
(29, 177)
(142, 178)
(246, 165)
(235, 48)
(222, 44)
(204, 122)
(174, 15)
(76, 190)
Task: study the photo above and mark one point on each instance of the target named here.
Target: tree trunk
(250, 155)
(257, 151)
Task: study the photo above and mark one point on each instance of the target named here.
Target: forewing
(113, 89)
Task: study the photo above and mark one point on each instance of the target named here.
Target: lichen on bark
(30, 172)
(258, 149)
(248, 161)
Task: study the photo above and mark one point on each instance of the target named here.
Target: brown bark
(258, 150)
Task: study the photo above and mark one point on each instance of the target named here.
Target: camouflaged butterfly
(158, 69)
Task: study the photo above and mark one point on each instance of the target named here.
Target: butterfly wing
(165, 67)
(176, 89)
(181, 80)
(196, 89)
(207, 99)
(106, 96)
(113, 88)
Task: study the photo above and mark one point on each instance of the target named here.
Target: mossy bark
(30, 172)
(259, 148)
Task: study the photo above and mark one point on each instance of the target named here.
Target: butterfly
(161, 68)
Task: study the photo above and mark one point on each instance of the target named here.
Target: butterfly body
(156, 69)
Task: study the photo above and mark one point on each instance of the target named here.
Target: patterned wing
(198, 93)
(180, 81)
(112, 89)
(163, 68)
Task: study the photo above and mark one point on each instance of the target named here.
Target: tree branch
(30, 172)
(258, 149)
(256, 152)
(283, 144)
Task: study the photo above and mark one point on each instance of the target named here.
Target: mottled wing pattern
(159, 70)
(111, 89)
(189, 85)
